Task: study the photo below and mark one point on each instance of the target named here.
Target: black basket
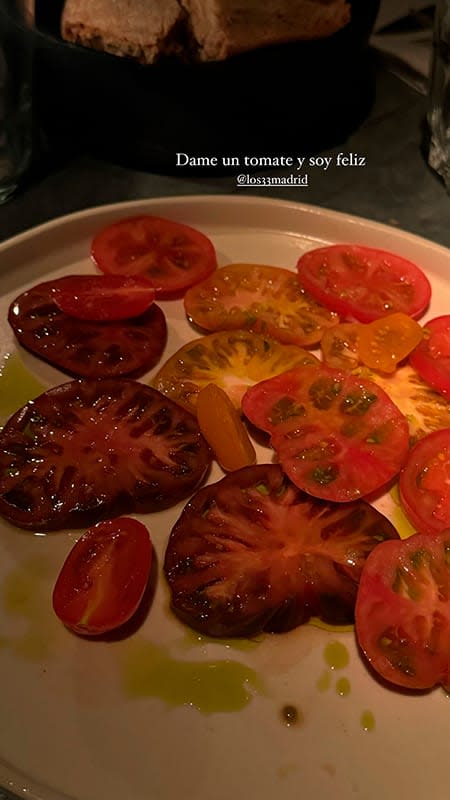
(289, 99)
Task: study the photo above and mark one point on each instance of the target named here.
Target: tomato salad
(269, 545)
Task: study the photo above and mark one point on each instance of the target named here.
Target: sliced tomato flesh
(253, 552)
(174, 256)
(223, 428)
(104, 577)
(424, 483)
(340, 346)
(337, 436)
(264, 299)
(103, 297)
(87, 348)
(403, 611)
(431, 358)
(384, 343)
(87, 450)
(233, 360)
(364, 283)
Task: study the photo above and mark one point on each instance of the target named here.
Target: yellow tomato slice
(223, 429)
(425, 409)
(382, 344)
(263, 299)
(233, 360)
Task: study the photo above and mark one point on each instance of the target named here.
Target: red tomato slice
(425, 483)
(103, 297)
(87, 348)
(172, 255)
(104, 577)
(252, 552)
(403, 611)
(337, 436)
(431, 358)
(87, 450)
(364, 283)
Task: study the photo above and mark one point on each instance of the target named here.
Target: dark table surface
(395, 186)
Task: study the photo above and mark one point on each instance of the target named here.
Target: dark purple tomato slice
(86, 348)
(254, 553)
(88, 450)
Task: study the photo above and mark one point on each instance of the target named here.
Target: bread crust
(208, 30)
(141, 29)
(227, 27)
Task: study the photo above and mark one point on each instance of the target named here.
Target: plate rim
(306, 209)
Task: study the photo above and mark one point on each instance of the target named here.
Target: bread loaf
(207, 30)
(225, 27)
(141, 29)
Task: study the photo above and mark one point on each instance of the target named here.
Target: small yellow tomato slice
(223, 429)
(382, 344)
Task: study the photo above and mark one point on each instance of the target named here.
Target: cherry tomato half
(104, 577)
(364, 283)
(103, 297)
(267, 300)
(403, 610)
(172, 255)
(431, 358)
(425, 483)
(222, 426)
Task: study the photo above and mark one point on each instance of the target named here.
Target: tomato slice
(104, 577)
(340, 346)
(233, 360)
(363, 283)
(337, 437)
(425, 409)
(403, 611)
(174, 256)
(103, 297)
(86, 348)
(266, 300)
(223, 429)
(252, 552)
(425, 483)
(383, 343)
(431, 358)
(87, 450)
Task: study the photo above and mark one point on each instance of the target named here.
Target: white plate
(78, 718)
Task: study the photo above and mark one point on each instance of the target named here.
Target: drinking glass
(439, 94)
(16, 95)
